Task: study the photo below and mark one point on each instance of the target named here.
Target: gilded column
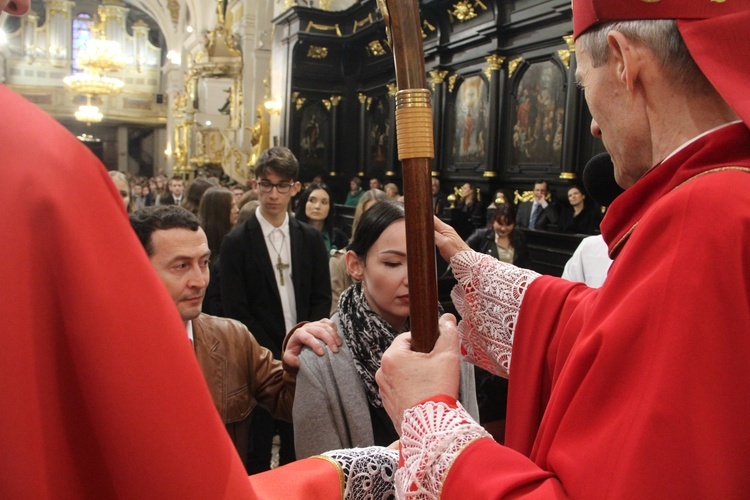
(492, 71)
(572, 99)
(392, 90)
(333, 168)
(364, 105)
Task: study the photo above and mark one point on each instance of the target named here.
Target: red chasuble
(640, 389)
(101, 395)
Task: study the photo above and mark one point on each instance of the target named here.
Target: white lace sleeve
(368, 473)
(432, 436)
(488, 297)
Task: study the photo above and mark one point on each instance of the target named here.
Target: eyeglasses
(281, 187)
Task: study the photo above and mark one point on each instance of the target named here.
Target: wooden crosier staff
(415, 150)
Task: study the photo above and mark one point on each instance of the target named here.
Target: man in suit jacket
(176, 189)
(240, 373)
(274, 274)
(544, 213)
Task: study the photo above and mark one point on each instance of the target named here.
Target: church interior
(194, 88)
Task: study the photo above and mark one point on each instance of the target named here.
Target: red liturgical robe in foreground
(640, 389)
(102, 396)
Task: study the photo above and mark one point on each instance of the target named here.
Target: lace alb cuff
(368, 473)
(433, 434)
(488, 297)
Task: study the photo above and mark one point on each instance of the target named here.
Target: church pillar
(437, 82)
(571, 111)
(493, 73)
(364, 105)
(333, 167)
(122, 149)
(59, 25)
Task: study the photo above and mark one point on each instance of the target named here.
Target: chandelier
(98, 57)
(102, 55)
(88, 113)
(92, 84)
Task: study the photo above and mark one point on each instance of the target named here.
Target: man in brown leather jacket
(239, 372)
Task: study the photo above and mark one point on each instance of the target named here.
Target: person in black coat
(580, 217)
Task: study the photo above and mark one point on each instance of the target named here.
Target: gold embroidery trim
(342, 477)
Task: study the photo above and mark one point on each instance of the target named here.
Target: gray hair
(663, 39)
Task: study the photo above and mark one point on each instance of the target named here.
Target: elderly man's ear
(627, 56)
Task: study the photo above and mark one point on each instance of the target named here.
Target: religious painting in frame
(538, 115)
(378, 132)
(314, 136)
(471, 123)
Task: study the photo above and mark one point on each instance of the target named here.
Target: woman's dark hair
(504, 214)
(301, 213)
(194, 193)
(372, 224)
(213, 212)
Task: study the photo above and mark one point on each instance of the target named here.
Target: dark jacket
(240, 375)
(587, 222)
(483, 241)
(547, 219)
(248, 282)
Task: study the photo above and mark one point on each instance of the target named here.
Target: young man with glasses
(274, 274)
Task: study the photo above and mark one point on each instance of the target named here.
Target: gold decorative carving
(323, 27)
(174, 11)
(375, 48)
(463, 11)
(299, 102)
(494, 62)
(426, 26)
(452, 82)
(392, 89)
(569, 176)
(564, 55)
(259, 136)
(369, 103)
(362, 23)
(316, 52)
(522, 197)
(570, 42)
(326, 103)
(362, 98)
(513, 65)
(489, 173)
(452, 200)
(325, 4)
(335, 100)
(437, 76)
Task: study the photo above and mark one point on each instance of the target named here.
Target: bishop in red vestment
(639, 389)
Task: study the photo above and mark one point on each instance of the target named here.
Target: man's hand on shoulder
(309, 334)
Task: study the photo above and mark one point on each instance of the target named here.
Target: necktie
(534, 215)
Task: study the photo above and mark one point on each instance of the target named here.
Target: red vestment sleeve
(487, 470)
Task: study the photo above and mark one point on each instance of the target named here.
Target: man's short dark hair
(278, 160)
(160, 217)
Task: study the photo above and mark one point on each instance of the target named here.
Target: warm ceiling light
(89, 83)
(88, 114)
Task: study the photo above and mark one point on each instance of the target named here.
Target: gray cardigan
(330, 406)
